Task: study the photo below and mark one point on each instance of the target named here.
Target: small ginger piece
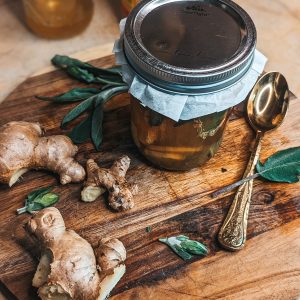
(22, 147)
(100, 180)
(69, 268)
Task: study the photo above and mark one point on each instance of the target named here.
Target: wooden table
(172, 203)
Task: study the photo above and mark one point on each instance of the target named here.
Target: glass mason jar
(176, 145)
(58, 18)
(191, 48)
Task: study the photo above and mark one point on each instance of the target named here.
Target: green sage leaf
(78, 110)
(42, 191)
(97, 121)
(33, 207)
(97, 126)
(74, 95)
(47, 199)
(88, 73)
(88, 77)
(184, 247)
(283, 166)
(81, 132)
(181, 252)
(182, 238)
(112, 74)
(64, 61)
(109, 92)
(39, 199)
(81, 74)
(174, 244)
(115, 70)
(194, 247)
(42, 202)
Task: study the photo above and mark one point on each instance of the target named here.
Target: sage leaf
(283, 166)
(39, 199)
(64, 61)
(92, 126)
(47, 199)
(115, 70)
(109, 92)
(41, 191)
(87, 77)
(194, 247)
(81, 75)
(78, 110)
(74, 95)
(42, 202)
(82, 132)
(97, 125)
(182, 238)
(97, 121)
(184, 247)
(88, 73)
(181, 252)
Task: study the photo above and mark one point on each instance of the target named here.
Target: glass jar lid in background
(190, 46)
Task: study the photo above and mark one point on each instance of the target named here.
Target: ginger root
(113, 180)
(22, 148)
(68, 267)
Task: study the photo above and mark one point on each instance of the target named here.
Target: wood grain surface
(171, 203)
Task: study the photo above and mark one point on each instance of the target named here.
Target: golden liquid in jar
(58, 18)
(176, 145)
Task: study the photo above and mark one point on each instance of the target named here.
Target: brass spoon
(267, 107)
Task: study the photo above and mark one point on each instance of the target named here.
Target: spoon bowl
(268, 102)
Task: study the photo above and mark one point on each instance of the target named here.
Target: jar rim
(183, 79)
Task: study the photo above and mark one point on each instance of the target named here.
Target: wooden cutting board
(172, 203)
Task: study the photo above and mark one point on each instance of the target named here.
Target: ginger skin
(68, 268)
(22, 148)
(113, 180)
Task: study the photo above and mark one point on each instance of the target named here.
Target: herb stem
(22, 210)
(230, 187)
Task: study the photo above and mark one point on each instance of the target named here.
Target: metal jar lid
(190, 46)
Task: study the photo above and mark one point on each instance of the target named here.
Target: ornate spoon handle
(232, 235)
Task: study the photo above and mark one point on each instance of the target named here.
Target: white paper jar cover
(182, 65)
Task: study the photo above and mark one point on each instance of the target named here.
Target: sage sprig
(39, 199)
(184, 247)
(283, 166)
(74, 95)
(91, 100)
(86, 72)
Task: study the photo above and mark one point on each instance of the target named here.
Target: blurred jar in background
(128, 5)
(56, 19)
